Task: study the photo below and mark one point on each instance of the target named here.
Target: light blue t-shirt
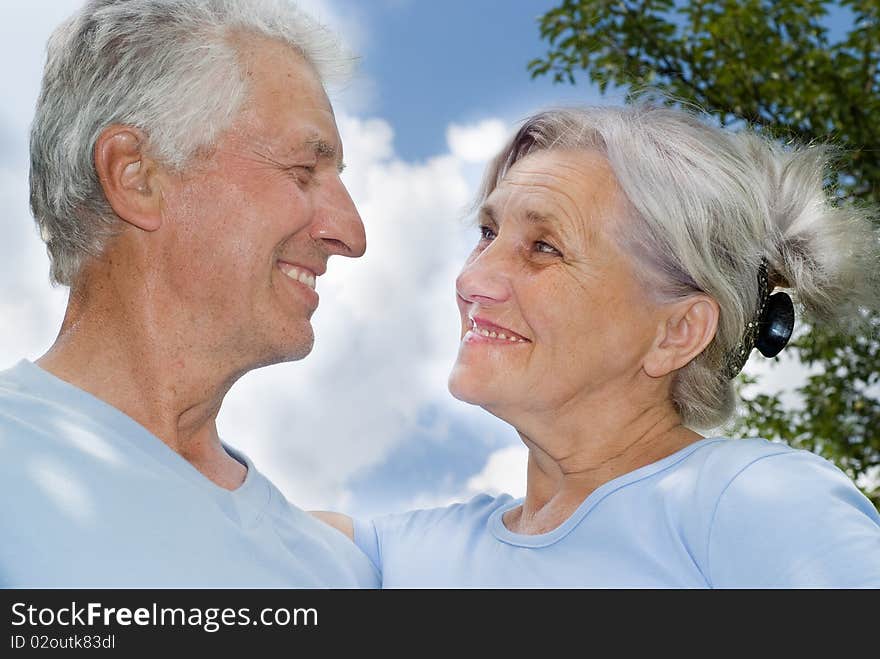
(719, 513)
(90, 498)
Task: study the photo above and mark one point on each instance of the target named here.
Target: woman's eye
(546, 248)
(487, 233)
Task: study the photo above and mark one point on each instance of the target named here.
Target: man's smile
(299, 273)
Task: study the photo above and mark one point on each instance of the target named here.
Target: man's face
(254, 222)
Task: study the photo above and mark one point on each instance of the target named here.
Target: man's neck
(144, 369)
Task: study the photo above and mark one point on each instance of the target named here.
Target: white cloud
(504, 473)
(477, 143)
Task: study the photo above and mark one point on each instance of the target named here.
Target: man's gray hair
(704, 206)
(167, 67)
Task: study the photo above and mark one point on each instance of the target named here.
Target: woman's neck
(567, 461)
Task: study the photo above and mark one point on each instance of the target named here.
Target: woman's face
(566, 318)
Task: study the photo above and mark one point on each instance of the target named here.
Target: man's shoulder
(13, 383)
(22, 410)
(34, 415)
(24, 389)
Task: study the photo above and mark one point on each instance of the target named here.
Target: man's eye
(486, 233)
(546, 248)
(302, 173)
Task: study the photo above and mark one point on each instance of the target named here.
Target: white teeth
(481, 331)
(300, 275)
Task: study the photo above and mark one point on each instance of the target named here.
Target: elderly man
(185, 177)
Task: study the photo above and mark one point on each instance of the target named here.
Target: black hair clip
(776, 326)
(770, 329)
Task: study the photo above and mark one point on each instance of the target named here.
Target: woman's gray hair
(167, 67)
(705, 206)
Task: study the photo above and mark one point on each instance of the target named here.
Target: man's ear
(129, 176)
(686, 328)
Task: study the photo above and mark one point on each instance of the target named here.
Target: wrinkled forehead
(285, 96)
(576, 184)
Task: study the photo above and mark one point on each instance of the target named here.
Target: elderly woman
(623, 274)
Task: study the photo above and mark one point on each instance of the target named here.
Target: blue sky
(364, 424)
(454, 61)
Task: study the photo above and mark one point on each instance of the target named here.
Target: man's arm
(338, 521)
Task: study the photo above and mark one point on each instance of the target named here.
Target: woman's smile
(484, 331)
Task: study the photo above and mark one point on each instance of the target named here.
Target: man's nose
(338, 226)
(485, 277)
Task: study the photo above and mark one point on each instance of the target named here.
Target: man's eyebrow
(323, 149)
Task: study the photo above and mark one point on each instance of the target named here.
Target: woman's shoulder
(772, 474)
(726, 461)
(719, 479)
(760, 513)
(713, 463)
(701, 471)
(725, 452)
(761, 471)
(792, 518)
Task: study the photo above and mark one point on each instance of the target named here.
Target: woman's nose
(485, 276)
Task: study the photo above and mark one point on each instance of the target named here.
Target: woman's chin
(464, 387)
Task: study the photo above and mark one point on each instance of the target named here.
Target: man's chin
(288, 351)
(301, 350)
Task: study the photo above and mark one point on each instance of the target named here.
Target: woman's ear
(129, 176)
(686, 328)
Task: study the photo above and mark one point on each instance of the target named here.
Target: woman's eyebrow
(582, 232)
(534, 217)
(487, 212)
